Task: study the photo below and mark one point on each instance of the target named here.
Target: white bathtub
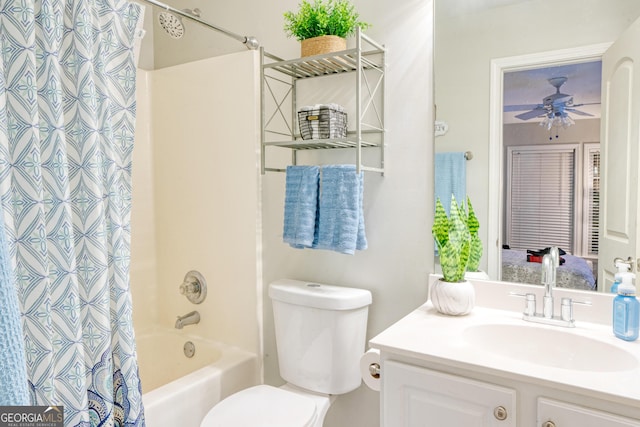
(179, 391)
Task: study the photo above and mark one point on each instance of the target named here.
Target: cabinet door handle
(500, 413)
(548, 424)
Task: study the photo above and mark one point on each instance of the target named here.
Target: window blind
(593, 201)
(541, 197)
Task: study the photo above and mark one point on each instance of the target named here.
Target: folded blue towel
(451, 178)
(13, 371)
(341, 217)
(301, 206)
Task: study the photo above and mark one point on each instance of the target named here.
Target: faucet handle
(189, 286)
(530, 302)
(566, 311)
(194, 287)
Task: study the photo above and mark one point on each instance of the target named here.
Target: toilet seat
(262, 406)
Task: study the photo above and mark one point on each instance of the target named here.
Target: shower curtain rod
(249, 41)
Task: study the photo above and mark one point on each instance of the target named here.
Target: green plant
(453, 240)
(322, 18)
(475, 252)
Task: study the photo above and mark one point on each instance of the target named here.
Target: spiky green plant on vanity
(452, 294)
(475, 249)
(453, 240)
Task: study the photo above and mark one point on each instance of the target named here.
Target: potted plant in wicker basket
(452, 294)
(322, 26)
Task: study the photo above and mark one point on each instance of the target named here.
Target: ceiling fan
(555, 106)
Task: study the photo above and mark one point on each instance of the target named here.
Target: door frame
(496, 164)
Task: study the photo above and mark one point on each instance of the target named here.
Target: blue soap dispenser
(626, 310)
(622, 267)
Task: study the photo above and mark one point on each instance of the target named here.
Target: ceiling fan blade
(522, 107)
(586, 103)
(531, 114)
(578, 112)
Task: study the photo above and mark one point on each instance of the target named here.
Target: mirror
(468, 38)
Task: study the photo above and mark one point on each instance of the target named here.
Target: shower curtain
(67, 115)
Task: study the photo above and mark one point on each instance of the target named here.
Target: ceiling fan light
(547, 123)
(567, 121)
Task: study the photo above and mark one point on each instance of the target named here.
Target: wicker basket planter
(322, 44)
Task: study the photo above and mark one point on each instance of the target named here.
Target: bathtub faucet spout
(188, 319)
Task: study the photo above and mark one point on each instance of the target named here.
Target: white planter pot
(476, 275)
(454, 299)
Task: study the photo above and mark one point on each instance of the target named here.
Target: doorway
(496, 140)
(551, 141)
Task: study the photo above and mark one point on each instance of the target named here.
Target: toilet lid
(262, 406)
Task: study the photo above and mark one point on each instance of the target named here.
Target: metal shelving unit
(279, 81)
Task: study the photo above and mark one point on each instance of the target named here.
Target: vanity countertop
(431, 337)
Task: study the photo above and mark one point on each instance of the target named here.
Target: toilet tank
(320, 334)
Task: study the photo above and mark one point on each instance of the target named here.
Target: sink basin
(549, 347)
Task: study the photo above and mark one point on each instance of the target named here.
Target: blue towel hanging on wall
(323, 208)
(341, 216)
(301, 206)
(450, 178)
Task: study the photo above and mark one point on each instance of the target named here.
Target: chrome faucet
(549, 264)
(188, 319)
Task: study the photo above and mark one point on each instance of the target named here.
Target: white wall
(465, 46)
(199, 171)
(584, 131)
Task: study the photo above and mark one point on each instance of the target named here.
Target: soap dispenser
(622, 267)
(626, 310)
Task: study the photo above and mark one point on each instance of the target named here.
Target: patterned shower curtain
(67, 115)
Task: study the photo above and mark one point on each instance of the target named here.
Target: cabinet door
(565, 415)
(418, 397)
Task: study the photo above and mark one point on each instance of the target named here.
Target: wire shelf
(329, 63)
(278, 89)
(322, 144)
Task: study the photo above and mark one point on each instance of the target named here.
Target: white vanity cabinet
(441, 371)
(417, 397)
(553, 413)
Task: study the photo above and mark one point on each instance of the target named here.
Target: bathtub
(179, 391)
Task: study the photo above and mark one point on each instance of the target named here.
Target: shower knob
(189, 287)
(194, 287)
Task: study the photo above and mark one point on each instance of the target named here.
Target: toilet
(320, 335)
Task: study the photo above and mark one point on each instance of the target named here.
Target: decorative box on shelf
(322, 121)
